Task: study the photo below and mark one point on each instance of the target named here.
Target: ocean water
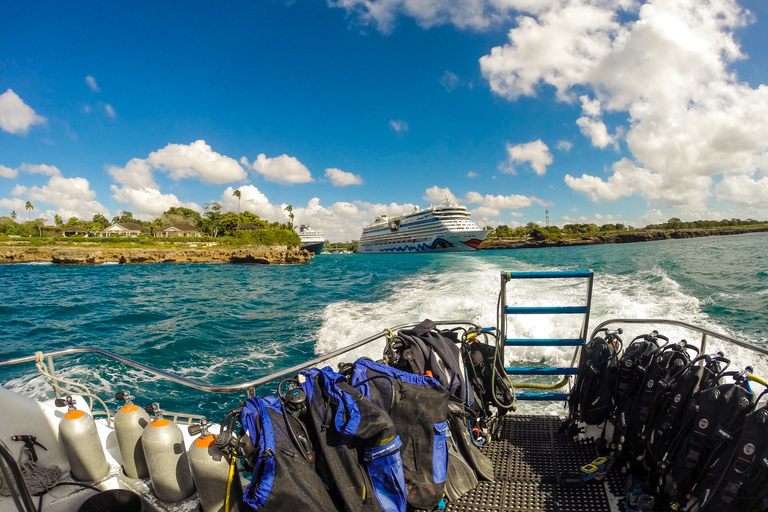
(225, 323)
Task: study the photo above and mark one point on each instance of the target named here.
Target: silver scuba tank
(210, 469)
(166, 458)
(130, 421)
(78, 435)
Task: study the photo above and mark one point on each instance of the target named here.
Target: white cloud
(13, 204)
(536, 153)
(449, 80)
(7, 172)
(564, 145)
(196, 160)
(50, 170)
(91, 83)
(110, 111)
(254, 201)
(629, 179)
(596, 219)
(136, 174)
(596, 131)
(149, 203)
(70, 197)
(499, 202)
(666, 64)
(398, 126)
(591, 125)
(590, 107)
(437, 195)
(341, 178)
(744, 191)
(281, 169)
(16, 116)
(472, 174)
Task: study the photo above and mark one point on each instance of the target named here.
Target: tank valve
(200, 428)
(155, 409)
(124, 396)
(69, 402)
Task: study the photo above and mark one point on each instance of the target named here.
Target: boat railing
(705, 334)
(249, 386)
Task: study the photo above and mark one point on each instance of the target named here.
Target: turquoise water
(232, 323)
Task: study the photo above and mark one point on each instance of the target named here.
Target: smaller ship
(311, 240)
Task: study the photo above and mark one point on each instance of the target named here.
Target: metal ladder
(549, 310)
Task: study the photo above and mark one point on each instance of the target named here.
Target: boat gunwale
(248, 386)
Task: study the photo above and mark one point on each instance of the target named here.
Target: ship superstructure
(311, 240)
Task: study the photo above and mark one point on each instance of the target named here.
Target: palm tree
(57, 220)
(14, 215)
(289, 209)
(237, 194)
(29, 209)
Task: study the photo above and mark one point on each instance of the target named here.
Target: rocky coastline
(97, 256)
(618, 238)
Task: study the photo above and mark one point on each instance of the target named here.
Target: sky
(593, 111)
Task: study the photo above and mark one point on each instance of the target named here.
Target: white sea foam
(471, 293)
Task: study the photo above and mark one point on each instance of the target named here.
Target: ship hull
(315, 247)
(466, 241)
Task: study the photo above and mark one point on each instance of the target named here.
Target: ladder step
(518, 342)
(522, 370)
(544, 275)
(542, 396)
(547, 310)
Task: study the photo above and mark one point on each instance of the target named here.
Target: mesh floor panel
(526, 460)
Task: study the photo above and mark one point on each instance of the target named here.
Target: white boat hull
(465, 241)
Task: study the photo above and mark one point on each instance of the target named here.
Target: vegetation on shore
(340, 246)
(217, 228)
(532, 231)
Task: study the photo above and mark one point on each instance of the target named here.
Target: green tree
(29, 209)
(237, 194)
(252, 218)
(180, 215)
(57, 220)
(289, 209)
(14, 215)
(213, 217)
(125, 216)
(99, 221)
(229, 222)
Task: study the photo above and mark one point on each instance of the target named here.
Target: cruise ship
(440, 228)
(311, 240)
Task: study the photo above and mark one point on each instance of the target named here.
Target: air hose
(229, 479)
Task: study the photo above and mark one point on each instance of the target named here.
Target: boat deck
(526, 460)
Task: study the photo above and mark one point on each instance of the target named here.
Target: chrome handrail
(228, 388)
(704, 332)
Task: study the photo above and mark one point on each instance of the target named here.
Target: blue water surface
(228, 323)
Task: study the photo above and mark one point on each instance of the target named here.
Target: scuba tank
(211, 472)
(78, 435)
(166, 458)
(130, 421)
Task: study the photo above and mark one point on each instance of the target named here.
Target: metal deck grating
(526, 460)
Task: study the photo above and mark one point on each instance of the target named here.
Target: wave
(471, 292)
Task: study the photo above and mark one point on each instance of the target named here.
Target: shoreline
(619, 238)
(96, 256)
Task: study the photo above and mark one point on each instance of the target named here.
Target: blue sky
(597, 110)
